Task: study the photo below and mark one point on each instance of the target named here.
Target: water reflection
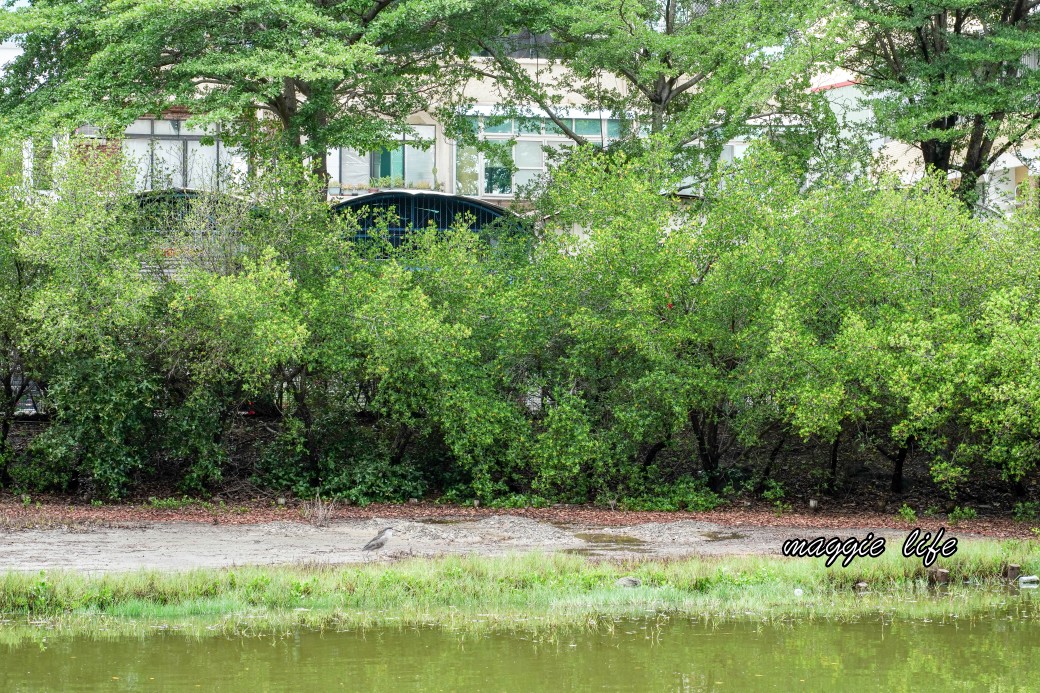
(995, 653)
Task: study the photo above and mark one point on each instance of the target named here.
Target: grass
(530, 592)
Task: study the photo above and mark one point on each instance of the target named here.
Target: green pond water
(993, 653)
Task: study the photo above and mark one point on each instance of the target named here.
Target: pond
(997, 653)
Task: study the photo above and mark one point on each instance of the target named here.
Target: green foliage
(1027, 511)
(684, 494)
(956, 79)
(341, 73)
(690, 74)
(637, 351)
(948, 476)
(960, 514)
(775, 493)
(907, 514)
(171, 503)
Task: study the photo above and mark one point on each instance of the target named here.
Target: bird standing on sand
(380, 540)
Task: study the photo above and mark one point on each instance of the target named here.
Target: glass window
(355, 169)
(424, 132)
(552, 128)
(418, 167)
(388, 163)
(529, 155)
(167, 127)
(587, 127)
(498, 174)
(467, 178)
(139, 127)
(139, 153)
(528, 162)
(527, 176)
(202, 166)
(501, 127)
(530, 126)
(168, 164)
(473, 123)
(406, 165)
(614, 128)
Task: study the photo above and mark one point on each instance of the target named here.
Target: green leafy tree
(303, 74)
(694, 73)
(956, 79)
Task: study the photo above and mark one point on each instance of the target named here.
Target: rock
(1011, 572)
(281, 501)
(476, 504)
(862, 585)
(1029, 581)
(413, 501)
(798, 592)
(814, 504)
(628, 581)
(938, 576)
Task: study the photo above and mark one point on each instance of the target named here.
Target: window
(167, 153)
(587, 127)
(388, 163)
(407, 164)
(528, 159)
(467, 176)
(498, 126)
(498, 174)
(503, 173)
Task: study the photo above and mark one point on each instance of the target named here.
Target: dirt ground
(118, 538)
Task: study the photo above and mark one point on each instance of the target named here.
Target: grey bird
(380, 540)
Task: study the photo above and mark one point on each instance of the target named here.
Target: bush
(640, 363)
(685, 494)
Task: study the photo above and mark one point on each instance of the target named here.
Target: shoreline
(55, 513)
(529, 592)
(183, 545)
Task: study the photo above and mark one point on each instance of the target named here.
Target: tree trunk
(897, 470)
(707, 434)
(1018, 487)
(654, 451)
(401, 440)
(768, 470)
(832, 484)
(320, 163)
(303, 413)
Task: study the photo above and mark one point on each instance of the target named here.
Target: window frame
(548, 136)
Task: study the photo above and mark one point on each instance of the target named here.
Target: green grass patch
(527, 592)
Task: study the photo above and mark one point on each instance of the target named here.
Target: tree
(325, 72)
(18, 279)
(692, 72)
(959, 80)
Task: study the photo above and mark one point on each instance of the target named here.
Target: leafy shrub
(684, 494)
(1027, 511)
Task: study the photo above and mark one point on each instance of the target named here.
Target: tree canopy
(958, 79)
(327, 73)
(693, 73)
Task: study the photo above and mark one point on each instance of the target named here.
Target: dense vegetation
(666, 352)
(629, 347)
